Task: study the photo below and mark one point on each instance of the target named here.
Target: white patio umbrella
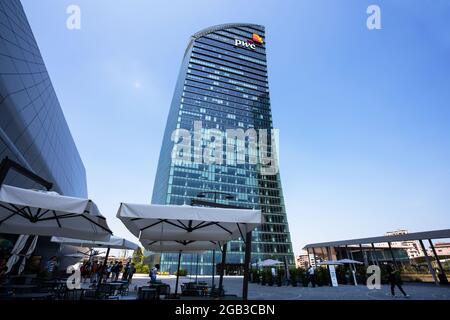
(179, 245)
(18, 246)
(269, 263)
(113, 243)
(170, 222)
(188, 223)
(27, 254)
(330, 263)
(35, 212)
(349, 261)
(76, 255)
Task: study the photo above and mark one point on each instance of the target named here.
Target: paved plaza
(233, 285)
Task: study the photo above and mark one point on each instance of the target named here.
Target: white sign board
(333, 277)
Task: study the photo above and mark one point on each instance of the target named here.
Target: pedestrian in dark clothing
(126, 269)
(131, 272)
(394, 280)
(115, 271)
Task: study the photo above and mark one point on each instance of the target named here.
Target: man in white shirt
(312, 276)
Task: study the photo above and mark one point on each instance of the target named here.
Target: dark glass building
(223, 85)
(33, 130)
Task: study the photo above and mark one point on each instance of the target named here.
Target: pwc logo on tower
(250, 43)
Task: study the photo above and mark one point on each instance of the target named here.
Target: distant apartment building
(302, 260)
(442, 250)
(413, 248)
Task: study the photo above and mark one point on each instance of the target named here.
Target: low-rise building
(302, 260)
(442, 249)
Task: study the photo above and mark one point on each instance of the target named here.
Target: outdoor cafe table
(114, 286)
(21, 287)
(147, 293)
(32, 296)
(202, 288)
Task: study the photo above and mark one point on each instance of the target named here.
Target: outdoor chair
(73, 294)
(94, 294)
(105, 291)
(124, 289)
(147, 293)
(216, 292)
(188, 290)
(163, 290)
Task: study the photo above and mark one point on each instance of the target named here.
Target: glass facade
(33, 130)
(223, 84)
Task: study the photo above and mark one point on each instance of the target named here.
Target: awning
(35, 212)
(113, 243)
(170, 222)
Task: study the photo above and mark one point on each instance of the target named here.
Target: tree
(138, 257)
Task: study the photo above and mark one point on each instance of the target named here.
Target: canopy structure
(35, 212)
(113, 243)
(179, 227)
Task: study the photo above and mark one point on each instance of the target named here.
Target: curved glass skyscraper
(222, 91)
(33, 129)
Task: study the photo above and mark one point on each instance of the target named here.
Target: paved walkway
(233, 285)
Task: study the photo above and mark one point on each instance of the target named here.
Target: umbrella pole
(104, 265)
(224, 256)
(248, 251)
(101, 275)
(178, 273)
(213, 267)
(196, 270)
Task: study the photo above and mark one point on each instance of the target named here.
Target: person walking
(126, 270)
(84, 269)
(395, 280)
(131, 272)
(108, 271)
(94, 269)
(51, 267)
(100, 271)
(312, 276)
(114, 271)
(153, 273)
(119, 269)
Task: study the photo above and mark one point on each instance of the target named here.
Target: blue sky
(363, 114)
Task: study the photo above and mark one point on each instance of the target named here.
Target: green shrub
(267, 274)
(280, 277)
(294, 276)
(145, 269)
(322, 276)
(255, 276)
(302, 276)
(182, 273)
